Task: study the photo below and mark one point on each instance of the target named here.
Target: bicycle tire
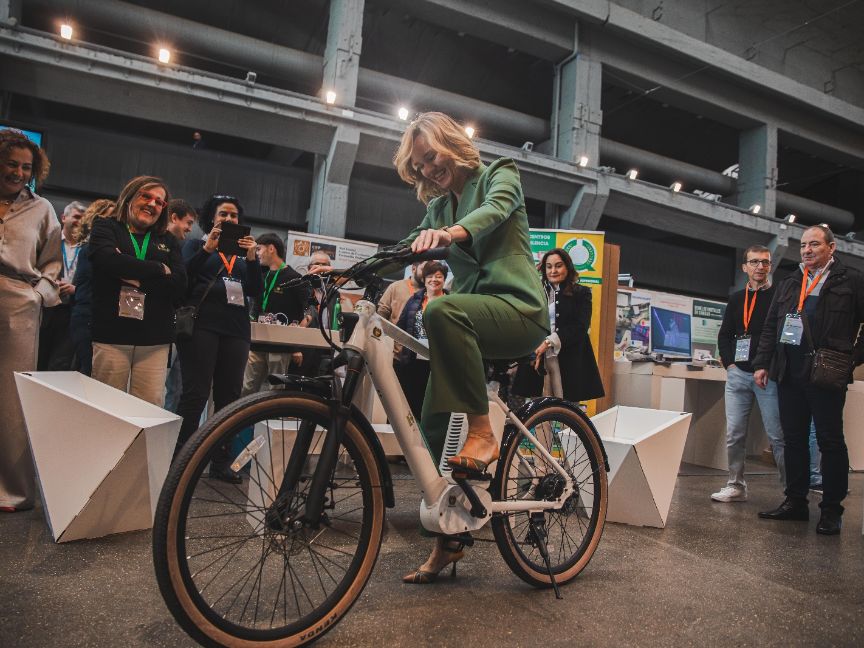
(188, 506)
(575, 528)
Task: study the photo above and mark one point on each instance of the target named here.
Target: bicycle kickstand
(538, 532)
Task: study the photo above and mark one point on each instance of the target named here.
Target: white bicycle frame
(445, 508)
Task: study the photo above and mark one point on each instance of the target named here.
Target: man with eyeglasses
(738, 340)
(817, 312)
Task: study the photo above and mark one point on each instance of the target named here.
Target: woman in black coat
(216, 354)
(566, 354)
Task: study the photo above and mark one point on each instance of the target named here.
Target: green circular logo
(582, 252)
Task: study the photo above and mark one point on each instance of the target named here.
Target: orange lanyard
(748, 313)
(228, 266)
(805, 291)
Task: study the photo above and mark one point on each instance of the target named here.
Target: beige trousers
(259, 366)
(138, 370)
(20, 311)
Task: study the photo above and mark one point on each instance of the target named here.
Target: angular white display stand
(101, 455)
(645, 448)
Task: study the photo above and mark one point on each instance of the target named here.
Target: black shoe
(788, 510)
(829, 523)
(225, 474)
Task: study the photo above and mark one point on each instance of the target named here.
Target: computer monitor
(670, 332)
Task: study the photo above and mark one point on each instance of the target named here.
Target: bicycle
(279, 559)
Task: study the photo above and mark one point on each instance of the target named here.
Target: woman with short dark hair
(216, 354)
(413, 372)
(138, 276)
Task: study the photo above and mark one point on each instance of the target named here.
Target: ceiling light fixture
(164, 55)
(330, 97)
(633, 174)
(676, 186)
(583, 161)
(469, 131)
(403, 113)
(66, 31)
(756, 208)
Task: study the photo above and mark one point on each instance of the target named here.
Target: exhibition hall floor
(716, 576)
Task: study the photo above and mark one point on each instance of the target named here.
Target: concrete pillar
(578, 116)
(10, 12)
(342, 53)
(585, 211)
(757, 169)
(328, 210)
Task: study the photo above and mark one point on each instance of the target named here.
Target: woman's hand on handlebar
(432, 238)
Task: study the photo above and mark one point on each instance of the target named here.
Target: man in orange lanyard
(738, 339)
(820, 306)
(399, 292)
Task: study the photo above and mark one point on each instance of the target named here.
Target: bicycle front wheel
(572, 531)
(234, 564)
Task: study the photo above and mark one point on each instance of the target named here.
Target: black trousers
(798, 404)
(413, 377)
(56, 349)
(207, 359)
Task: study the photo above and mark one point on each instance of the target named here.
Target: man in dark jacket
(738, 339)
(819, 306)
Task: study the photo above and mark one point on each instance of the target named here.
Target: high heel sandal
(467, 458)
(454, 553)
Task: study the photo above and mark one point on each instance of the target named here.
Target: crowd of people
(98, 290)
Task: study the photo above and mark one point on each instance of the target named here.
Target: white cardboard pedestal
(101, 455)
(644, 448)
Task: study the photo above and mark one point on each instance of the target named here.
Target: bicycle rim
(573, 530)
(231, 574)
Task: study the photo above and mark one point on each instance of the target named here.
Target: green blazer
(497, 259)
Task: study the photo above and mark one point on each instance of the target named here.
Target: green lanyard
(140, 252)
(269, 289)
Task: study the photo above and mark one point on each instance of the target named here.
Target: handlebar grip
(432, 254)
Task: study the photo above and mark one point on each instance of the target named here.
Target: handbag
(185, 316)
(830, 369)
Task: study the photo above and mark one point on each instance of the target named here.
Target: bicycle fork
(310, 514)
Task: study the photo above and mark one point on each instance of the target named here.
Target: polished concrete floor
(716, 576)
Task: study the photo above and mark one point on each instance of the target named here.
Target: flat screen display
(670, 332)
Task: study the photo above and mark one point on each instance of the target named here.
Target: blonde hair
(100, 208)
(445, 137)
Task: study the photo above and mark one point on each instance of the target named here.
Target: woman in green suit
(497, 308)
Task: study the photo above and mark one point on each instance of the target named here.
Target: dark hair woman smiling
(216, 354)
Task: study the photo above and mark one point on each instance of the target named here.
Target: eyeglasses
(148, 197)
(757, 262)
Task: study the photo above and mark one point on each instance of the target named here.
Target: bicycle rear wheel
(233, 565)
(573, 530)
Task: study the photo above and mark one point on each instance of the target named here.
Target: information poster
(586, 250)
(343, 253)
(707, 317)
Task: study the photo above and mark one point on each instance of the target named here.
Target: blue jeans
(740, 393)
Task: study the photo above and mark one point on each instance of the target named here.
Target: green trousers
(464, 330)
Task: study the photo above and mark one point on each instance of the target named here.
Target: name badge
(793, 330)
(742, 349)
(234, 292)
(131, 303)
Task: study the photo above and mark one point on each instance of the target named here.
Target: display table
(675, 387)
(101, 455)
(700, 392)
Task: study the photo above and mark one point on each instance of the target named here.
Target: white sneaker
(730, 494)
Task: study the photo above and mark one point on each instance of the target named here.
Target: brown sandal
(455, 553)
